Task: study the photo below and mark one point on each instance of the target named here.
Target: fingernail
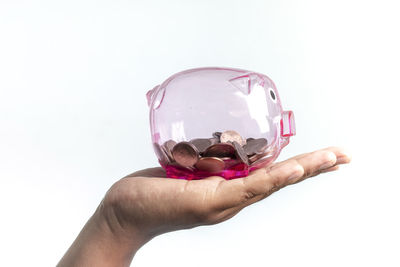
(341, 160)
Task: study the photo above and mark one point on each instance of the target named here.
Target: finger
(238, 193)
(333, 168)
(343, 157)
(232, 193)
(293, 170)
(314, 163)
(263, 182)
(259, 185)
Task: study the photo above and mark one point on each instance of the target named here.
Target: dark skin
(146, 204)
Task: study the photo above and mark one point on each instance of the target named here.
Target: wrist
(124, 239)
(104, 242)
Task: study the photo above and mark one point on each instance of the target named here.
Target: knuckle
(293, 170)
(330, 157)
(205, 217)
(276, 182)
(298, 170)
(202, 213)
(307, 172)
(246, 196)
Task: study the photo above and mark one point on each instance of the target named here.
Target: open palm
(148, 201)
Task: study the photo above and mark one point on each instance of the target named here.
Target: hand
(146, 200)
(146, 204)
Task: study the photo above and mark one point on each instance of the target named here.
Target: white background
(74, 119)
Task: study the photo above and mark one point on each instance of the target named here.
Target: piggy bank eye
(272, 95)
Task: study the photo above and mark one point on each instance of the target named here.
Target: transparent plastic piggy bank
(217, 121)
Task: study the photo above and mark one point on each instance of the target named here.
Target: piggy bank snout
(288, 127)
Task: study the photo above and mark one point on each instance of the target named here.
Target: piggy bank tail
(150, 95)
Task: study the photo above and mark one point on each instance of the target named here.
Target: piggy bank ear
(245, 82)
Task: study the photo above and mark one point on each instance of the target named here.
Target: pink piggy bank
(217, 121)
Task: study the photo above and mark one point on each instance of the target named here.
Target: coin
(185, 154)
(168, 146)
(161, 155)
(217, 134)
(230, 136)
(214, 140)
(210, 164)
(256, 157)
(240, 153)
(261, 158)
(220, 150)
(207, 153)
(255, 146)
(201, 143)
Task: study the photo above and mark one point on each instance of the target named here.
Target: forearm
(101, 244)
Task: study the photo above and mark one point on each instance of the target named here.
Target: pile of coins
(212, 154)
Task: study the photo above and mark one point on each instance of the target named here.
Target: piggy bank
(217, 121)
